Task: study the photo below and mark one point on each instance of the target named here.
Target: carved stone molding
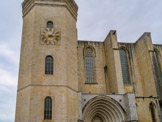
(50, 36)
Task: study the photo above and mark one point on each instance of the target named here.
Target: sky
(131, 18)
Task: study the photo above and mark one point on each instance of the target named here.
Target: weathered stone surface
(34, 85)
(67, 87)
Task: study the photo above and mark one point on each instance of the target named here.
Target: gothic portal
(63, 79)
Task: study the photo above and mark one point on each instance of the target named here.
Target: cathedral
(63, 79)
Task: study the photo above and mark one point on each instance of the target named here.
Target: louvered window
(48, 108)
(89, 64)
(124, 66)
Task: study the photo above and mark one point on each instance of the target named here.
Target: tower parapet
(27, 5)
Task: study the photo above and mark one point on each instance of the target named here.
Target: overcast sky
(131, 18)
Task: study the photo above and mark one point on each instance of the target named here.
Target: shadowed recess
(103, 109)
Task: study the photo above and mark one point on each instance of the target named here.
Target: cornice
(27, 5)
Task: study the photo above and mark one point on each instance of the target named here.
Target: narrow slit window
(49, 24)
(124, 66)
(89, 64)
(48, 108)
(49, 65)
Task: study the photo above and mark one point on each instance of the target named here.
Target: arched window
(49, 65)
(89, 64)
(157, 67)
(153, 112)
(48, 108)
(124, 66)
(49, 24)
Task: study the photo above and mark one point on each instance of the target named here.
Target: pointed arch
(104, 109)
(97, 118)
(153, 112)
(157, 51)
(92, 48)
(89, 54)
(124, 59)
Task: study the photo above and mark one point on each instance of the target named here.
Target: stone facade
(106, 98)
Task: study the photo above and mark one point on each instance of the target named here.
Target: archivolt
(105, 108)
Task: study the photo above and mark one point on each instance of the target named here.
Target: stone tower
(49, 29)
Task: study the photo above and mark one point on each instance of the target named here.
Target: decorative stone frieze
(50, 36)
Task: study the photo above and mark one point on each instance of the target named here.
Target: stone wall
(99, 62)
(112, 61)
(67, 86)
(141, 70)
(143, 55)
(158, 50)
(34, 84)
(126, 103)
(143, 108)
